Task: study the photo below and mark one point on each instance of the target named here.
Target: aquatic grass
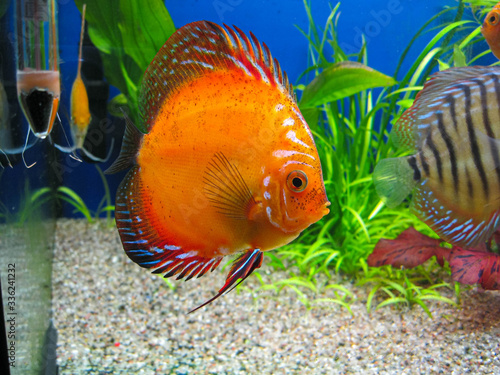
(351, 136)
(343, 297)
(5, 214)
(72, 198)
(106, 199)
(69, 196)
(31, 202)
(408, 287)
(172, 286)
(308, 290)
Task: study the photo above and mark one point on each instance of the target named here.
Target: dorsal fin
(439, 81)
(201, 48)
(78, 74)
(413, 126)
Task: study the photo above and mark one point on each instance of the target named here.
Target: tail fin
(394, 180)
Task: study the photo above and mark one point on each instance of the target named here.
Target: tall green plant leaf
(128, 33)
(341, 80)
(4, 5)
(145, 26)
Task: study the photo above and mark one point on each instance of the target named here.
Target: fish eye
(297, 181)
(493, 19)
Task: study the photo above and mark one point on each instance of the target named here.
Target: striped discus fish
(454, 127)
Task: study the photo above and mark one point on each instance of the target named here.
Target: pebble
(114, 317)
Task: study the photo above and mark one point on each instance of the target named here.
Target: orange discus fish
(491, 30)
(80, 114)
(228, 165)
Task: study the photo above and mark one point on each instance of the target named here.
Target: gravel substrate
(114, 317)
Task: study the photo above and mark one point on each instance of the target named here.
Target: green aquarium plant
(350, 108)
(128, 33)
(32, 202)
(65, 194)
(350, 120)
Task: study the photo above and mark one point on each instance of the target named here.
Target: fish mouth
(326, 210)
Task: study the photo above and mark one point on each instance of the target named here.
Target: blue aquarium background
(388, 27)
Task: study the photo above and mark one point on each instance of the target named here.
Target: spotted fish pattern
(228, 165)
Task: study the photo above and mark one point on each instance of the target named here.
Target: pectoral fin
(227, 190)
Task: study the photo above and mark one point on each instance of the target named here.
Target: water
(27, 220)
(28, 210)
(26, 276)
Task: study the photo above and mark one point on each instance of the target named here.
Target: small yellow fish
(80, 114)
(491, 30)
(228, 164)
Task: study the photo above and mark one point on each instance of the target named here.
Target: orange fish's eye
(493, 18)
(297, 181)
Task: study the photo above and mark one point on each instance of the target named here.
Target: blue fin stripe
(145, 252)
(136, 241)
(244, 264)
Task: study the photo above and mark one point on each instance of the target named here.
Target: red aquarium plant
(468, 266)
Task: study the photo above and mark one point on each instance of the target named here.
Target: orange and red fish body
(80, 114)
(491, 30)
(228, 164)
(454, 128)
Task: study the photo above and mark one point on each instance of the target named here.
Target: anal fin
(242, 267)
(451, 226)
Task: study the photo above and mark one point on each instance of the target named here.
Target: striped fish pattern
(228, 164)
(454, 129)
